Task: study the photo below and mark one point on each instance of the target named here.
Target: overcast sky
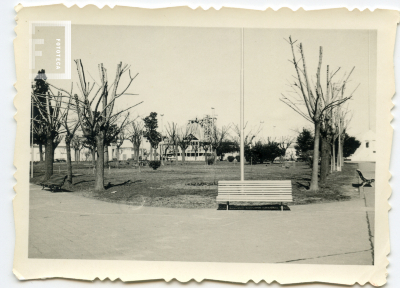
(184, 72)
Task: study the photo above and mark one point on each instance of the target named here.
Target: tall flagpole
(32, 150)
(242, 112)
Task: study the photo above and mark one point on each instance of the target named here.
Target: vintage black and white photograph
(193, 144)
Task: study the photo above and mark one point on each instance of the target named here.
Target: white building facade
(367, 149)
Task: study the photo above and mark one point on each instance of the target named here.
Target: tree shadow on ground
(128, 182)
(356, 185)
(361, 185)
(83, 181)
(303, 185)
(58, 190)
(272, 207)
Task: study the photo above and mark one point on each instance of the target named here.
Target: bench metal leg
(227, 205)
(281, 206)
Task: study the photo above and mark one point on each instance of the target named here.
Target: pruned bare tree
(184, 138)
(96, 121)
(71, 125)
(173, 138)
(218, 137)
(76, 144)
(341, 120)
(50, 115)
(119, 140)
(318, 105)
(248, 137)
(134, 133)
(39, 136)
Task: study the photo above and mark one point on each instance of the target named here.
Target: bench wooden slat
(256, 186)
(247, 182)
(247, 197)
(253, 188)
(255, 199)
(261, 185)
(262, 191)
(254, 193)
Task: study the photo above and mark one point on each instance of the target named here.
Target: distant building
(194, 152)
(367, 149)
(291, 153)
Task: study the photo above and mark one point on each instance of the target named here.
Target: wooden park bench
(54, 183)
(364, 180)
(255, 191)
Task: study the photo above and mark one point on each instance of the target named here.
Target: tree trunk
(314, 177)
(183, 155)
(215, 156)
(176, 154)
(161, 155)
(41, 152)
(49, 159)
(117, 153)
(106, 158)
(338, 162)
(333, 164)
(325, 149)
(137, 152)
(99, 179)
(341, 153)
(205, 156)
(93, 156)
(69, 164)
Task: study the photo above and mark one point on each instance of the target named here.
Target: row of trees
(323, 106)
(263, 152)
(61, 113)
(88, 119)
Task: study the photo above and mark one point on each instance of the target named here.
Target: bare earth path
(67, 226)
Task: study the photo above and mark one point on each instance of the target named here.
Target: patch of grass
(189, 186)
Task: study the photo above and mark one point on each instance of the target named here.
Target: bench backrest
(57, 178)
(280, 190)
(361, 175)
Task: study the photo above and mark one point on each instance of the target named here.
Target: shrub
(231, 158)
(210, 160)
(308, 157)
(154, 164)
(237, 158)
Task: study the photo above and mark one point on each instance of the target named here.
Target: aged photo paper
(231, 145)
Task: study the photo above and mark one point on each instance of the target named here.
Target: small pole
(251, 159)
(242, 113)
(32, 150)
